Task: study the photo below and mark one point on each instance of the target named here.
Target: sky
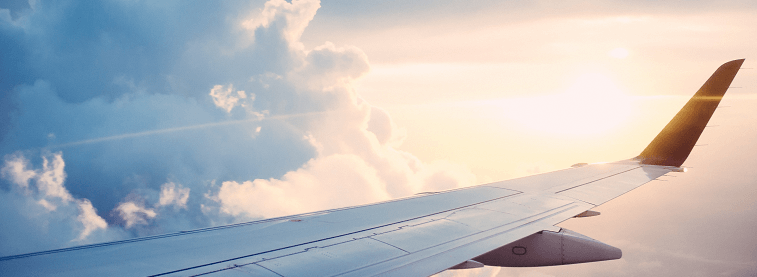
(130, 118)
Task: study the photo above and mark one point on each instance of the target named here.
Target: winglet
(673, 144)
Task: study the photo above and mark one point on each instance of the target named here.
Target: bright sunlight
(592, 105)
(619, 53)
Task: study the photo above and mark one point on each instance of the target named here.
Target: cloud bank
(137, 118)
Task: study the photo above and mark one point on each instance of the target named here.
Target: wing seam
(324, 239)
(608, 176)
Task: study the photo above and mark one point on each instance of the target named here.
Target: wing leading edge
(508, 223)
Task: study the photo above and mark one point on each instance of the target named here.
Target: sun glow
(593, 104)
(619, 53)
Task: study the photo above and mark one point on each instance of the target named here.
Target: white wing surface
(507, 223)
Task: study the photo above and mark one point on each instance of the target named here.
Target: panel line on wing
(532, 218)
(466, 241)
(180, 233)
(597, 180)
(371, 237)
(332, 237)
(607, 189)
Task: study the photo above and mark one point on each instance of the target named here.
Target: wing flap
(435, 243)
(436, 259)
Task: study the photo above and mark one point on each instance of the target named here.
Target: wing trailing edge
(673, 144)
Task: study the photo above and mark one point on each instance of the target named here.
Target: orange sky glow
(195, 115)
(514, 97)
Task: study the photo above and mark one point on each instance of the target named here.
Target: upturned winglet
(673, 144)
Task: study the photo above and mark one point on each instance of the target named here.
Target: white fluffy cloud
(226, 98)
(48, 181)
(15, 170)
(38, 204)
(134, 214)
(293, 18)
(230, 118)
(356, 162)
(329, 182)
(173, 194)
(89, 219)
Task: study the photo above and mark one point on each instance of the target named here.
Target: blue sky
(128, 118)
(137, 118)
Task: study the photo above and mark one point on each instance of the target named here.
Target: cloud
(189, 116)
(89, 219)
(172, 194)
(290, 18)
(15, 171)
(41, 211)
(382, 126)
(48, 181)
(327, 67)
(309, 188)
(225, 98)
(134, 214)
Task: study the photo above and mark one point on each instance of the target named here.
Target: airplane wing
(507, 223)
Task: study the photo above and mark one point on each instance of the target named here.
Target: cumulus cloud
(382, 126)
(356, 163)
(134, 214)
(228, 118)
(89, 219)
(309, 188)
(225, 98)
(15, 171)
(291, 18)
(42, 212)
(172, 194)
(48, 181)
(328, 68)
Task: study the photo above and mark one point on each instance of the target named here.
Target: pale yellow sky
(451, 82)
(228, 108)
(172, 101)
(480, 92)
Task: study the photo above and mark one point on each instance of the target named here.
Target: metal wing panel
(241, 271)
(564, 178)
(422, 236)
(606, 189)
(187, 250)
(437, 236)
(438, 258)
(334, 259)
(449, 225)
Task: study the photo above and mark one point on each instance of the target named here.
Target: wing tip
(672, 146)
